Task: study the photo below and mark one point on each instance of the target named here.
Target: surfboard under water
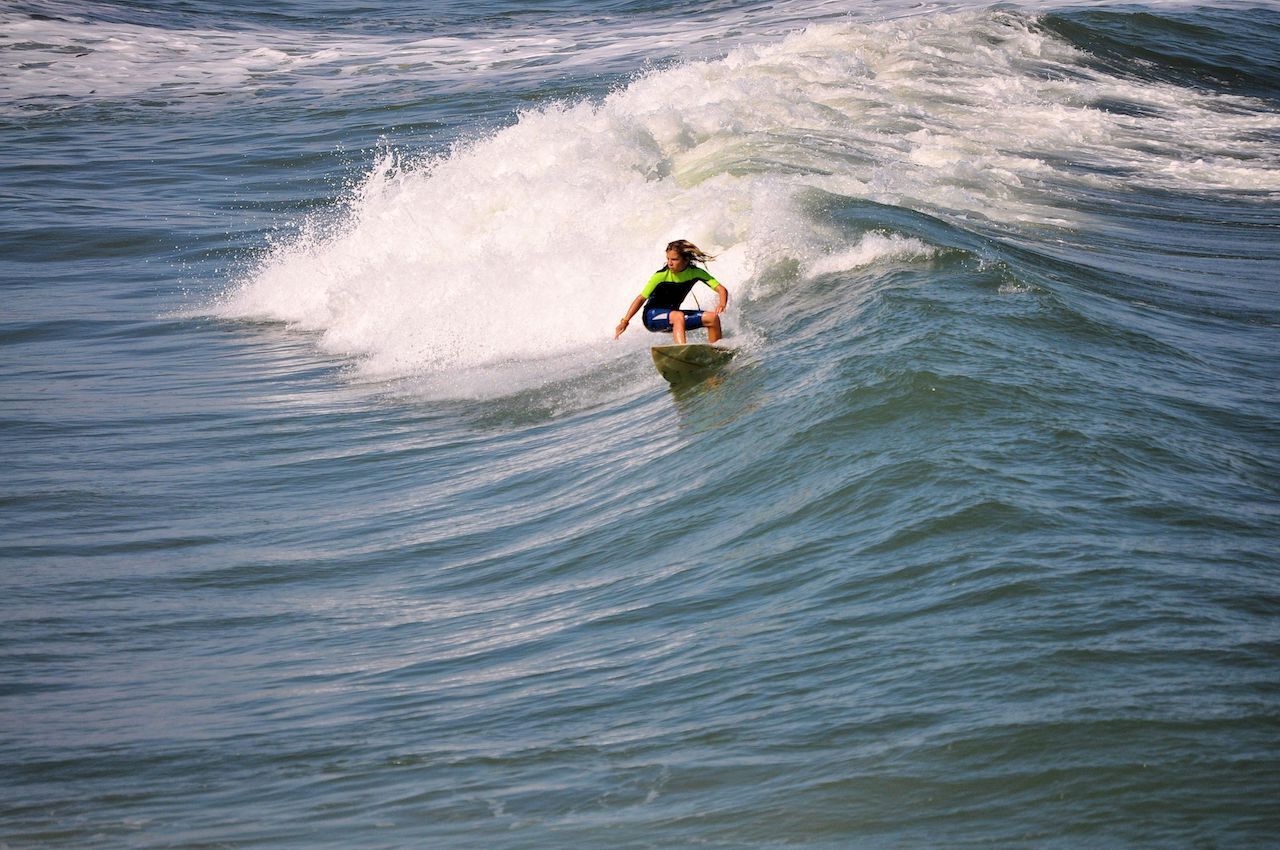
(680, 363)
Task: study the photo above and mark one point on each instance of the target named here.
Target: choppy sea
(332, 515)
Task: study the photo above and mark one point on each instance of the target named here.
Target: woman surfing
(666, 290)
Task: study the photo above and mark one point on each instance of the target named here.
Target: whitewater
(726, 152)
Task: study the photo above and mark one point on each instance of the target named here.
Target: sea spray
(520, 245)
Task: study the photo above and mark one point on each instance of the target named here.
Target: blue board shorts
(658, 319)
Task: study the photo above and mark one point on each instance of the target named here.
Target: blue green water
(333, 516)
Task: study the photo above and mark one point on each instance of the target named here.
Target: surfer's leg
(712, 324)
(677, 326)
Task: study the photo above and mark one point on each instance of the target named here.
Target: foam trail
(530, 243)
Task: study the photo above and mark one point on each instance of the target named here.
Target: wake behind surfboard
(679, 363)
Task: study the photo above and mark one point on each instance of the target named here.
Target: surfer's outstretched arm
(626, 320)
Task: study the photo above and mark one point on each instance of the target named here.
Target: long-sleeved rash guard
(666, 290)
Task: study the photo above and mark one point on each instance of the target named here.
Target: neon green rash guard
(667, 289)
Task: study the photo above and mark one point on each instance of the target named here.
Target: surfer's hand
(622, 326)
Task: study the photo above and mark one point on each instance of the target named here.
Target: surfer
(666, 290)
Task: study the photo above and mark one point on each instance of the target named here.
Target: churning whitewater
(520, 244)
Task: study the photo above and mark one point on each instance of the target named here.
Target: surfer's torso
(666, 290)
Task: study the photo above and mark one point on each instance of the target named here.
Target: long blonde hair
(689, 252)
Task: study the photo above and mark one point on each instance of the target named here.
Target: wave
(526, 244)
(69, 61)
(1216, 49)
(66, 54)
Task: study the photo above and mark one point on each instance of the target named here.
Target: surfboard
(689, 362)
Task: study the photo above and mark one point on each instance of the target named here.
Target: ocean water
(332, 516)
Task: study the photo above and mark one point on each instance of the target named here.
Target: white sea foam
(871, 249)
(67, 56)
(525, 245)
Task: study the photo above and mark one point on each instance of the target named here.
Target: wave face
(333, 516)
